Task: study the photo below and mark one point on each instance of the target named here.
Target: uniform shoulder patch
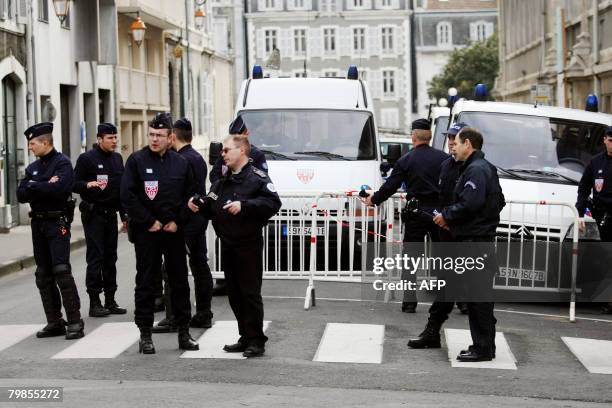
(260, 173)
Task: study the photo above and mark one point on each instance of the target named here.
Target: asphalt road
(548, 374)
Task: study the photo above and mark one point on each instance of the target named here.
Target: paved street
(544, 368)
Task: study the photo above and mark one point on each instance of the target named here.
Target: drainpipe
(596, 80)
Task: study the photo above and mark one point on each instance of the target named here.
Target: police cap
(39, 129)
(609, 131)
(107, 129)
(421, 124)
(162, 120)
(237, 127)
(454, 130)
(183, 123)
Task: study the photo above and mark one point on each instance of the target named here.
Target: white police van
(540, 153)
(318, 135)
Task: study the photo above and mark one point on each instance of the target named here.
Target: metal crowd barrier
(325, 237)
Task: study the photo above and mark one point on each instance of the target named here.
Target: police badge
(599, 182)
(151, 188)
(102, 180)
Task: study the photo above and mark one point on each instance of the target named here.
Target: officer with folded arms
(47, 186)
(97, 178)
(155, 188)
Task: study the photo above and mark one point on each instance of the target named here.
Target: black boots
(430, 338)
(165, 326)
(202, 320)
(145, 345)
(185, 341)
(254, 350)
(75, 330)
(56, 328)
(111, 305)
(409, 307)
(95, 306)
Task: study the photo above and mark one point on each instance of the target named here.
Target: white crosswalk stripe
(595, 355)
(107, 341)
(212, 341)
(457, 340)
(14, 333)
(351, 343)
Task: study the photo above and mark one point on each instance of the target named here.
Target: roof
(531, 110)
(303, 93)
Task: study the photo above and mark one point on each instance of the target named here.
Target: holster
(86, 209)
(70, 207)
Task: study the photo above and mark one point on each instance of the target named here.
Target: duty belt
(45, 215)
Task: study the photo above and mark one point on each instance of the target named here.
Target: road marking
(213, 340)
(107, 341)
(595, 355)
(351, 343)
(14, 333)
(457, 340)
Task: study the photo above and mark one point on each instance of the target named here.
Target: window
(330, 74)
(299, 3)
(270, 40)
(329, 40)
(386, 3)
(299, 41)
(444, 33)
(387, 39)
(299, 74)
(270, 4)
(357, 3)
(388, 83)
(43, 10)
(359, 39)
(480, 30)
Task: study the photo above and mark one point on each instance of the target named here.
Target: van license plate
(306, 231)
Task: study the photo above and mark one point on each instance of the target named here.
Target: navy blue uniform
(154, 188)
(597, 177)
(99, 215)
(195, 235)
(51, 233)
(257, 158)
(419, 171)
(242, 243)
(473, 217)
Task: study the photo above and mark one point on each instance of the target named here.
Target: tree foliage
(466, 67)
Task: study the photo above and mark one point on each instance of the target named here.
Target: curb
(24, 262)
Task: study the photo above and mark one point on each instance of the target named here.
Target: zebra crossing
(348, 343)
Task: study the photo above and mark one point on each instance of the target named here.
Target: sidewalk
(17, 254)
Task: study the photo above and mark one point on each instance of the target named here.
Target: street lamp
(62, 8)
(138, 29)
(199, 18)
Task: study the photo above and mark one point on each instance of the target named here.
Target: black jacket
(36, 189)
(156, 187)
(449, 173)
(597, 177)
(420, 170)
(257, 158)
(98, 165)
(478, 199)
(198, 166)
(259, 202)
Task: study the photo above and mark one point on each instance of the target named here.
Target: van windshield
(537, 147)
(312, 134)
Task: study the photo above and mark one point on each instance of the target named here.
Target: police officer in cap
(597, 177)
(195, 237)
(155, 188)
(47, 186)
(97, 178)
(256, 157)
(419, 169)
(473, 218)
(240, 205)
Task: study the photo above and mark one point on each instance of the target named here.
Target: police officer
(440, 309)
(154, 191)
(240, 204)
(47, 186)
(256, 157)
(419, 169)
(597, 177)
(97, 178)
(473, 218)
(195, 236)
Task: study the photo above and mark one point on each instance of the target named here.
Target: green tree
(466, 67)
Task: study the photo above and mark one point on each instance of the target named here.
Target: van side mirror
(214, 152)
(394, 152)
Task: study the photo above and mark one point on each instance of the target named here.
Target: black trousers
(101, 238)
(416, 227)
(195, 239)
(243, 275)
(51, 243)
(150, 247)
